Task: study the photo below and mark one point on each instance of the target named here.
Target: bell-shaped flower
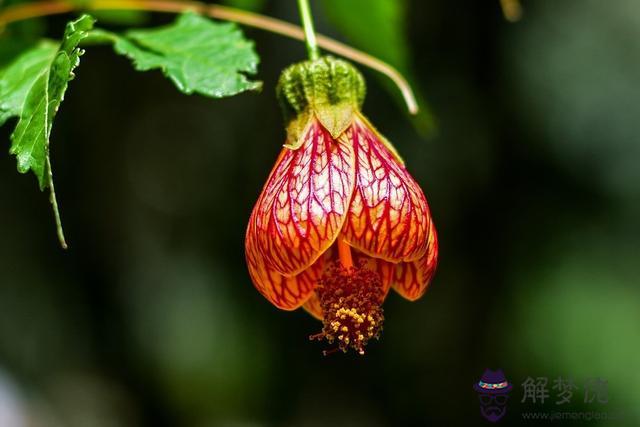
(339, 221)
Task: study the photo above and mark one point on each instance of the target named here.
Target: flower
(340, 221)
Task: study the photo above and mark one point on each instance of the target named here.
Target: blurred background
(528, 150)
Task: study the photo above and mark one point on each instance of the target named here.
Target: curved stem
(44, 8)
(54, 204)
(309, 33)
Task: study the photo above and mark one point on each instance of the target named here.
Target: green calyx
(328, 88)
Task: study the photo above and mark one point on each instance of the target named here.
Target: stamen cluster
(351, 301)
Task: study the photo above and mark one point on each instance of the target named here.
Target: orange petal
(388, 216)
(312, 306)
(287, 293)
(411, 279)
(304, 203)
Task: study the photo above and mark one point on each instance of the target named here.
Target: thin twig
(44, 8)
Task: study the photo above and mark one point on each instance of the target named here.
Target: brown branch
(44, 8)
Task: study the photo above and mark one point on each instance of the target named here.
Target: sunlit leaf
(32, 88)
(35, 86)
(19, 75)
(196, 53)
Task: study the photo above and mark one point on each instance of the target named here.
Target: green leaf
(44, 88)
(196, 53)
(18, 77)
(32, 88)
(355, 19)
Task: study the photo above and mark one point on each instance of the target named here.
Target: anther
(350, 298)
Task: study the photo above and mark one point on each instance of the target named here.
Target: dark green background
(533, 179)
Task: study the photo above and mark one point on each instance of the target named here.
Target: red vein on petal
(411, 279)
(287, 293)
(388, 215)
(304, 203)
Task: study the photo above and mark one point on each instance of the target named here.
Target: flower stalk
(309, 33)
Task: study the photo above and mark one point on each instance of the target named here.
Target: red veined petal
(388, 216)
(303, 205)
(411, 279)
(287, 293)
(313, 307)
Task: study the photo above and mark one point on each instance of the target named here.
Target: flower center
(350, 297)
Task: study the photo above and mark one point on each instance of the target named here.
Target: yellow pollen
(350, 298)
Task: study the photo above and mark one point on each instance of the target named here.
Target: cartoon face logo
(493, 391)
